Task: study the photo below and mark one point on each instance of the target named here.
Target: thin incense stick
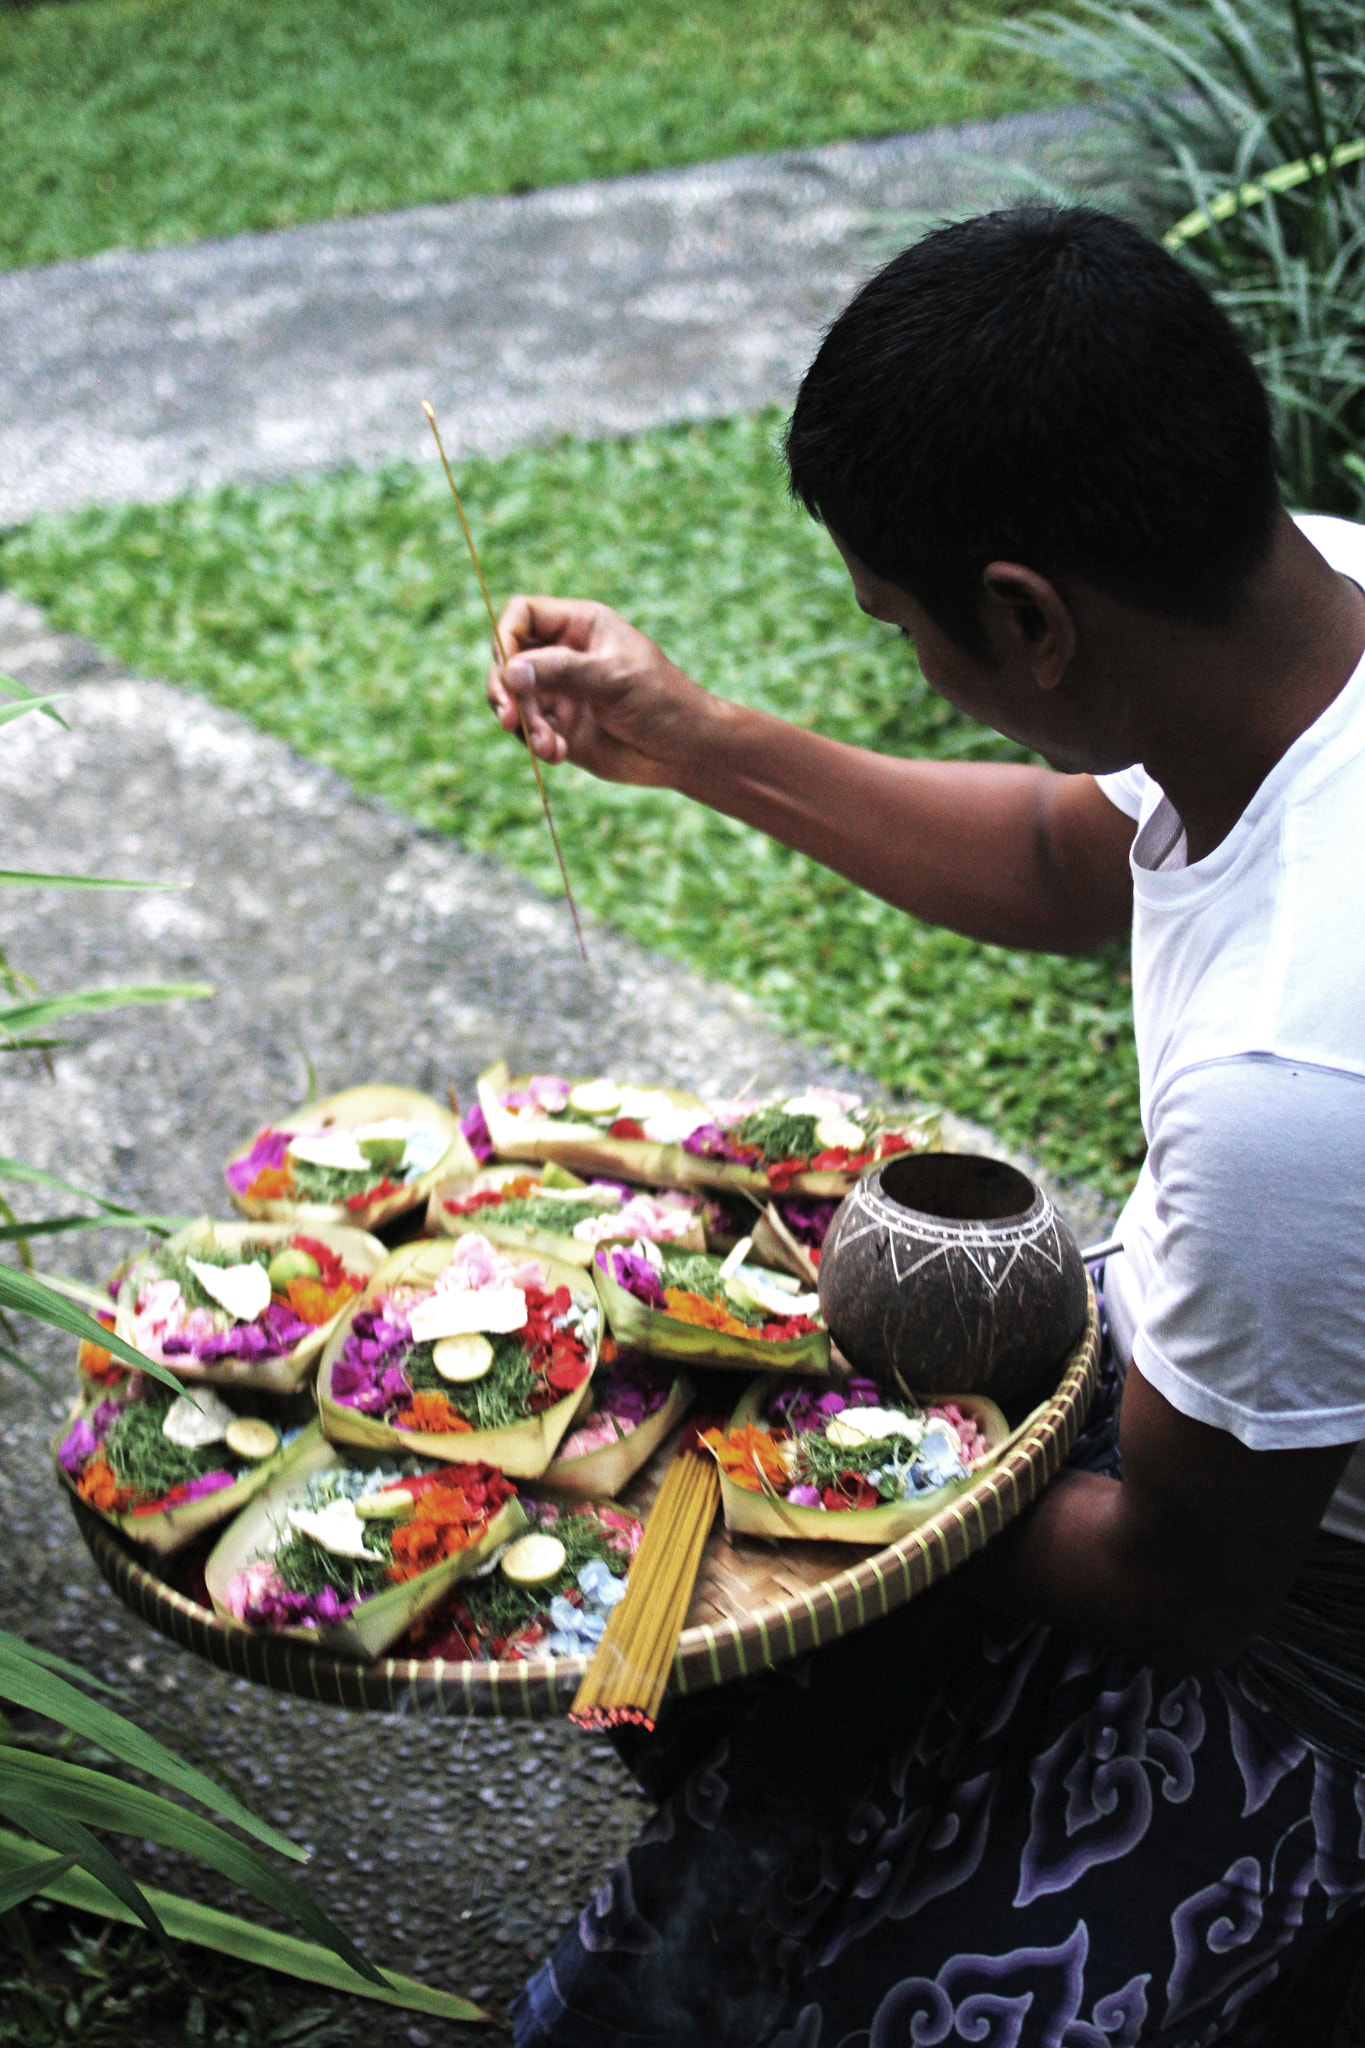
(502, 663)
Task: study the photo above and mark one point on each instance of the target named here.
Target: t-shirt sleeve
(1125, 789)
(1254, 1316)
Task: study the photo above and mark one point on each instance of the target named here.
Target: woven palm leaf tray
(756, 1603)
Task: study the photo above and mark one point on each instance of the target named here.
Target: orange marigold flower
(433, 1414)
(750, 1457)
(98, 1485)
(272, 1184)
(313, 1303)
(685, 1307)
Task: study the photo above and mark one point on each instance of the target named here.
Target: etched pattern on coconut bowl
(949, 1272)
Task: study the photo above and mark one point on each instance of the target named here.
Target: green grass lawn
(342, 615)
(133, 123)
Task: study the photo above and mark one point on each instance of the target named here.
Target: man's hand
(1017, 856)
(595, 691)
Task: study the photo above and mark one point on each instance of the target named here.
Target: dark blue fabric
(948, 1829)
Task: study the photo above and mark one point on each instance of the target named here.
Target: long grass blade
(27, 1683)
(29, 703)
(204, 1926)
(17, 878)
(25, 1882)
(86, 1002)
(70, 1838)
(30, 1296)
(9, 687)
(96, 1800)
(56, 1226)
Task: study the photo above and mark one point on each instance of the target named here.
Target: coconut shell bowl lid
(756, 1603)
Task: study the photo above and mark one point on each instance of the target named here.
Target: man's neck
(1230, 704)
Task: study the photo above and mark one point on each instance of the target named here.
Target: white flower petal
(244, 1291)
(197, 1418)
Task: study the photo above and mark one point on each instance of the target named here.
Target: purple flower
(804, 1497)
(368, 1376)
(636, 1275)
(807, 1221)
(268, 1150)
(633, 1389)
(79, 1444)
(277, 1607)
(709, 1141)
(474, 1124)
(209, 1482)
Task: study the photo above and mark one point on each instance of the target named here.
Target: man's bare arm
(1018, 856)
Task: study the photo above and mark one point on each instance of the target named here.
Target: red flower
(381, 1193)
(626, 1127)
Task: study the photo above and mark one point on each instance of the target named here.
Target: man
(1106, 1786)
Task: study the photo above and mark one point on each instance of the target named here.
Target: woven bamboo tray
(756, 1604)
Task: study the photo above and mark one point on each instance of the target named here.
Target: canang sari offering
(813, 1143)
(850, 1464)
(459, 1350)
(363, 1157)
(244, 1305)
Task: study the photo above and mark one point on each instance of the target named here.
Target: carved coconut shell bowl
(947, 1272)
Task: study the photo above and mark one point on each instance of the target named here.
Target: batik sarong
(950, 1829)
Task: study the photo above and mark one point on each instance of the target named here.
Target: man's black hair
(1046, 386)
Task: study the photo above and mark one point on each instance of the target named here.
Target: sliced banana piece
(831, 1131)
(595, 1098)
(533, 1559)
(462, 1358)
(246, 1436)
(395, 1504)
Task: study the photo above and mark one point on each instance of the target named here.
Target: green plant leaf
(70, 1838)
(86, 1001)
(53, 1226)
(51, 1662)
(16, 878)
(93, 1798)
(9, 711)
(31, 1296)
(27, 1879)
(26, 1682)
(227, 1935)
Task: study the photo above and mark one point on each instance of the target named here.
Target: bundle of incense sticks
(631, 1665)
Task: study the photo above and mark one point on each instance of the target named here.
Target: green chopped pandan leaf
(205, 1927)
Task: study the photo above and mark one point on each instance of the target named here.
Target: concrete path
(596, 308)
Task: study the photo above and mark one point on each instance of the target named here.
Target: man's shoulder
(1339, 541)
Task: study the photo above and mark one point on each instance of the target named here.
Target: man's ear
(1026, 617)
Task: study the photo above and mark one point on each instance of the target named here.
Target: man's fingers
(546, 621)
(554, 668)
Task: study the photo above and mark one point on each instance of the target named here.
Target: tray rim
(709, 1653)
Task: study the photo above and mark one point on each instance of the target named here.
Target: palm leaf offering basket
(756, 1604)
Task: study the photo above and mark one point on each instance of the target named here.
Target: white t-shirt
(1240, 1291)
